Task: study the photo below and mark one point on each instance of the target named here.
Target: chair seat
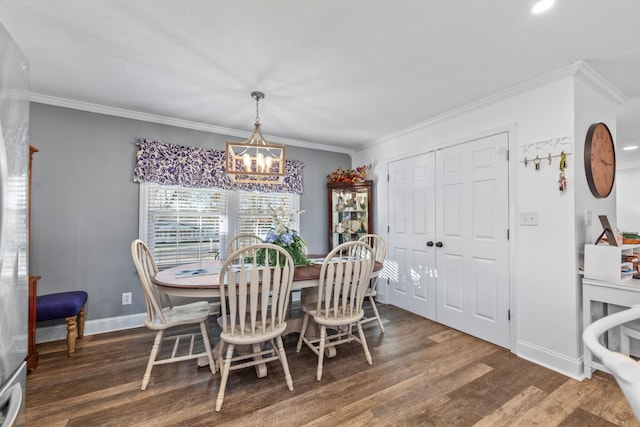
(59, 305)
(183, 315)
(333, 319)
(258, 337)
(370, 293)
(238, 339)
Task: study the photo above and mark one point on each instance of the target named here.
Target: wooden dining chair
(163, 315)
(242, 240)
(343, 282)
(254, 314)
(624, 369)
(379, 247)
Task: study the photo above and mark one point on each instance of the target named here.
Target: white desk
(625, 294)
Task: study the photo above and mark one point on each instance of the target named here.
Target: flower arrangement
(282, 235)
(350, 175)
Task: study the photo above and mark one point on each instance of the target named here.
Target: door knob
(439, 244)
(429, 243)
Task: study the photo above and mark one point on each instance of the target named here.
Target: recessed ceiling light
(630, 147)
(542, 6)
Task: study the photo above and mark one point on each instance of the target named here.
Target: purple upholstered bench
(67, 305)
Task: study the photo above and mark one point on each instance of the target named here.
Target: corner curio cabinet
(349, 211)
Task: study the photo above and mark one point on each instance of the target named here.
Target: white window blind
(182, 225)
(253, 215)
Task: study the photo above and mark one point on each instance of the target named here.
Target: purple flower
(271, 237)
(286, 238)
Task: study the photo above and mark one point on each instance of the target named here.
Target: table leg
(586, 321)
(330, 352)
(261, 369)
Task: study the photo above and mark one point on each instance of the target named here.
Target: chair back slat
(352, 277)
(255, 297)
(241, 299)
(265, 297)
(231, 296)
(344, 280)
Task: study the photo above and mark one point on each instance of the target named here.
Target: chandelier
(255, 160)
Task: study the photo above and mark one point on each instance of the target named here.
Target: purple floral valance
(170, 164)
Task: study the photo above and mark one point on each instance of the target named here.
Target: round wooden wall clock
(599, 160)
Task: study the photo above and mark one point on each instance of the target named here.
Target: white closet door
(410, 262)
(448, 256)
(472, 223)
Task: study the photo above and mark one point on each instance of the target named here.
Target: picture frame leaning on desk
(612, 238)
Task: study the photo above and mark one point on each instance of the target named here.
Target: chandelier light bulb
(260, 162)
(246, 159)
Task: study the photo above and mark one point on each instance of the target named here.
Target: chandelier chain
(257, 110)
(257, 96)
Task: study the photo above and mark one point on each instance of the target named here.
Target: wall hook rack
(548, 149)
(538, 160)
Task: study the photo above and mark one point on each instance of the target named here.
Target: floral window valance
(170, 164)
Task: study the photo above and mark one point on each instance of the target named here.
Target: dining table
(201, 280)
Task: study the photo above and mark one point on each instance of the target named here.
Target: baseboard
(99, 326)
(570, 367)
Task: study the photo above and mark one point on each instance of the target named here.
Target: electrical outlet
(126, 298)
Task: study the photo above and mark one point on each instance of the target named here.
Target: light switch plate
(529, 218)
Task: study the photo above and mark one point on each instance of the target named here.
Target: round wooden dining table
(200, 279)
(203, 281)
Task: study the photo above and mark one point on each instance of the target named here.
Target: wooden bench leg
(71, 335)
(81, 323)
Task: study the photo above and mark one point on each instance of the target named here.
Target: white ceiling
(335, 73)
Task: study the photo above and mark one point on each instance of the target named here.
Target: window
(182, 225)
(252, 213)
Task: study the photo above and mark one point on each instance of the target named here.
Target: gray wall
(85, 203)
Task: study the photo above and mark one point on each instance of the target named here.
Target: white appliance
(14, 165)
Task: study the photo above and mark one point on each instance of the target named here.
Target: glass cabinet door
(349, 211)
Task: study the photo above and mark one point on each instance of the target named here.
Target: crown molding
(579, 70)
(587, 75)
(170, 121)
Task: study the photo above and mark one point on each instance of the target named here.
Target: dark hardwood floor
(424, 374)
